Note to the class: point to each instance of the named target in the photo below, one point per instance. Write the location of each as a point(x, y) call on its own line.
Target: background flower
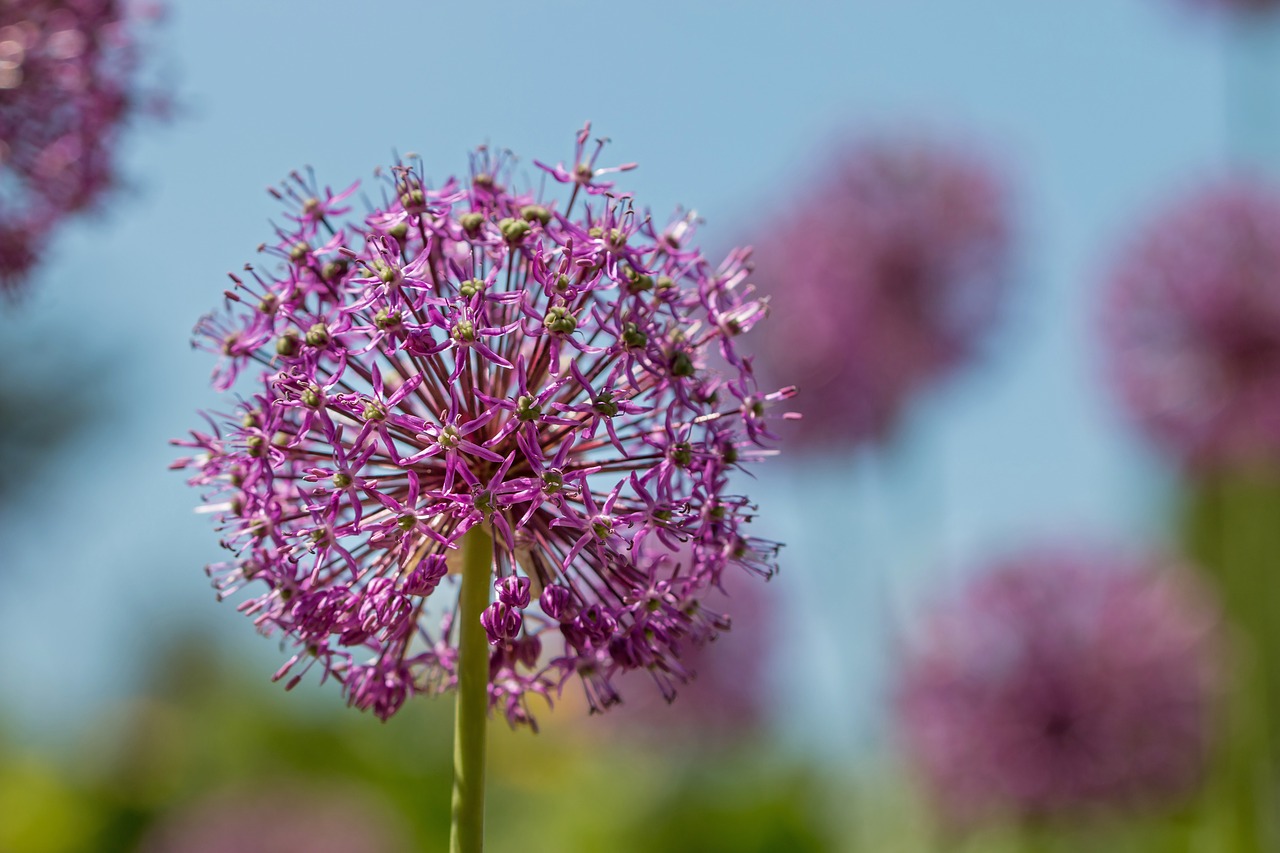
point(1061, 680)
point(68, 86)
point(1191, 321)
point(882, 280)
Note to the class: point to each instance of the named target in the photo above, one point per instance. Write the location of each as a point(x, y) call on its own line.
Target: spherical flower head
point(471, 354)
point(285, 817)
point(68, 85)
point(1191, 323)
point(1061, 681)
point(883, 281)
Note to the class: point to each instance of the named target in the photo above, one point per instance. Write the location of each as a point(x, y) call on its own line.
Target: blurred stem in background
point(1232, 529)
point(1252, 97)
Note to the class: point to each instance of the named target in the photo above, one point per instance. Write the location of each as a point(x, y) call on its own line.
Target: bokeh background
point(128, 697)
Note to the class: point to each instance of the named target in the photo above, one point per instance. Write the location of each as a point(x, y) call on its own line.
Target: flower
point(1061, 680)
point(68, 84)
point(728, 699)
point(281, 817)
point(883, 282)
point(470, 354)
point(1191, 324)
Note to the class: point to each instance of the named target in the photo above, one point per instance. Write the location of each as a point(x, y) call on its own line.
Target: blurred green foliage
point(203, 729)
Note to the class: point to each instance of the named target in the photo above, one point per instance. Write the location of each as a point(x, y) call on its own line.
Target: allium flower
point(1062, 680)
point(1192, 325)
point(282, 818)
point(67, 86)
point(882, 283)
point(475, 354)
point(730, 695)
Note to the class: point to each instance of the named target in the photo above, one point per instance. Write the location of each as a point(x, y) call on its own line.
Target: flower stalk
point(467, 833)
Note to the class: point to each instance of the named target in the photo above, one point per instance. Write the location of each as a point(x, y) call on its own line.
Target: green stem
point(467, 834)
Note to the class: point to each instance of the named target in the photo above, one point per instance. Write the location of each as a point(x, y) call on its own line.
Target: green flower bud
point(632, 337)
point(318, 335)
point(604, 404)
point(449, 437)
point(385, 319)
point(513, 230)
point(287, 344)
point(535, 213)
point(463, 331)
point(559, 321)
point(527, 408)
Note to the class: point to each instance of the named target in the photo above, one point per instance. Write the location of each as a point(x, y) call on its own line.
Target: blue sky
point(1099, 110)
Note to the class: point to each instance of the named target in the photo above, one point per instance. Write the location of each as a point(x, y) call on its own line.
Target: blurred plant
point(1061, 682)
point(1192, 326)
point(473, 370)
point(883, 282)
point(283, 817)
point(69, 84)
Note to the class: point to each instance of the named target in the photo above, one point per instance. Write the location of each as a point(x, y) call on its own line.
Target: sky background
point(1097, 110)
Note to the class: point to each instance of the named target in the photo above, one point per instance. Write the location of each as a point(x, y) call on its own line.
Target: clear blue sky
point(1099, 108)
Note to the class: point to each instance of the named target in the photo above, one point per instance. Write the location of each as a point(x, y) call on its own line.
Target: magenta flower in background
point(882, 281)
point(474, 353)
point(68, 86)
point(283, 818)
point(1191, 322)
point(1061, 680)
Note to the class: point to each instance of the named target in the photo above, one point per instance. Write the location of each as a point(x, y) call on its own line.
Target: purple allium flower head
point(1191, 320)
point(883, 283)
point(68, 84)
point(1062, 680)
point(470, 353)
point(283, 817)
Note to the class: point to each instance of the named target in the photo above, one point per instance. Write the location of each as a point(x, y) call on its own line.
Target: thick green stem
point(467, 835)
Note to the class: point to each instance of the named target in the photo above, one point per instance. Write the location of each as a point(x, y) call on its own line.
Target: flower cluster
point(67, 86)
point(563, 372)
point(1191, 321)
point(283, 817)
point(728, 699)
point(1062, 680)
point(884, 283)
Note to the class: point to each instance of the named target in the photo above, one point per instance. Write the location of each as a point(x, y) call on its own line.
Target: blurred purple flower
point(1062, 680)
point(283, 818)
point(466, 355)
point(1191, 320)
point(68, 85)
point(883, 281)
